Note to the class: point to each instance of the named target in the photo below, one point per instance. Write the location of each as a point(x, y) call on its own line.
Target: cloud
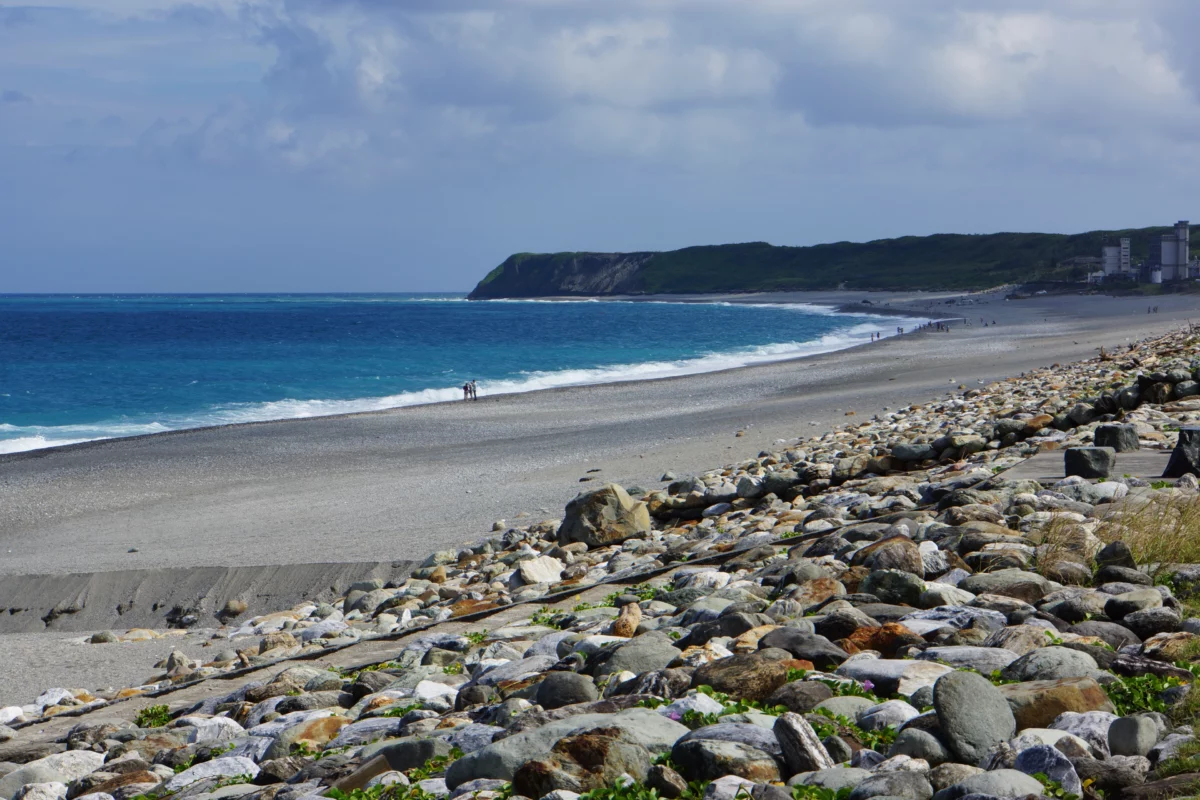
point(13, 96)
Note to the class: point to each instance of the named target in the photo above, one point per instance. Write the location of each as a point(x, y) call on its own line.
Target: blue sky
point(391, 145)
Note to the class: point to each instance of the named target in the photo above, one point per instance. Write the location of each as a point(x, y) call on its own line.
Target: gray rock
point(1121, 438)
point(849, 706)
point(982, 659)
point(603, 517)
point(889, 714)
point(1116, 554)
point(998, 783)
point(1050, 663)
point(560, 689)
point(823, 653)
point(754, 736)
point(226, 767)
point(836, 778)
point(1053, 764)
point(515, 670)
point(893, 586)
point(710, 759)
point(917, 743)
point(56, 768)
point(910, 785)
point(893, 676)
point(1132, 736)
point(645, 653)
point(500, 759)
point(1027, 586)
point(1089, 462)
point(1091, 726)
point(1118, 606)
point(1150, 621)
point(802, 750)
point(973, 715)
point(1185, 458)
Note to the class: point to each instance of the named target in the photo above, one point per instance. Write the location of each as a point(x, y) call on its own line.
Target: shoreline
point(392, 486)
point(396, 484)
point(848, 309)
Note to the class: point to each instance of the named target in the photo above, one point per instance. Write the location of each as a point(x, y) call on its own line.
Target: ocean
point(75, 368)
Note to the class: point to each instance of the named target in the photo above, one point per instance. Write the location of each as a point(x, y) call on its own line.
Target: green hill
point(941, 261)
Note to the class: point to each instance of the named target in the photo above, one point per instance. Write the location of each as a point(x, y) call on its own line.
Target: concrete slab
point(1048, 467)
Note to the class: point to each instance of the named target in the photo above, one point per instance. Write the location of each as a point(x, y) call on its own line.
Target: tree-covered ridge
point(941, 261)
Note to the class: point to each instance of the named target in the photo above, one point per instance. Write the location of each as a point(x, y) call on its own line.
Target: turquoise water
point(74, 368)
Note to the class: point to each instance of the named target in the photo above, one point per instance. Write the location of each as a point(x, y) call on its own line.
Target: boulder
point(710, 759)
point(1036, 704)
point(997, 783)
point(908, 785)
point(802, 750)
point(561, 688)
point(603, 517)
point(973, 715)
point(893, 676)
point(56, 768)
point(1050, 663)
point(1049, 761)
point(1121, 438)
point(1185, 458)
point(500, 759)
point(1132, 736)
point(1089, 462)
point(752, 676)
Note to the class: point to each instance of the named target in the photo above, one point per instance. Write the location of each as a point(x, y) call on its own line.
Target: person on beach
point(467, 391)
point(474, 389)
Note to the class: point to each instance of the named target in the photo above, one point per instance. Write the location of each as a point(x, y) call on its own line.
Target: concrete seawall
point(159, 598)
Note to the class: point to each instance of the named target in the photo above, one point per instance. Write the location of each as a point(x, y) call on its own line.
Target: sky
point(412, 145)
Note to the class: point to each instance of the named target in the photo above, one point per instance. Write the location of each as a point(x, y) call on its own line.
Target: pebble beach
point(865, 599)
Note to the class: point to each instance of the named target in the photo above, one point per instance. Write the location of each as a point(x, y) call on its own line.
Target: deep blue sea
point(80, 367)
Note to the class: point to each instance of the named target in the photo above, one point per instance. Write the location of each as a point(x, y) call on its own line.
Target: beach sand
point(396, 485)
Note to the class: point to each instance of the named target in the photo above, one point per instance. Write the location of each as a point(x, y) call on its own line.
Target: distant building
point(1174, 252)
point(1114, 258)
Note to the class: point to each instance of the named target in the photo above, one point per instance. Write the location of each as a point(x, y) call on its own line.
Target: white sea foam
point(36, 437)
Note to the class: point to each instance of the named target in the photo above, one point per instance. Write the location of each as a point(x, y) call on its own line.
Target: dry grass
point(1061, 540)
point(1161, 531)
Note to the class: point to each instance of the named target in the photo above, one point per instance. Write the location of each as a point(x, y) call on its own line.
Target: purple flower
point(868, 685)
point(675, 715)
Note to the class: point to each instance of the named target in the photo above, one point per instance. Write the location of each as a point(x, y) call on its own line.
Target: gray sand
point(396, 485)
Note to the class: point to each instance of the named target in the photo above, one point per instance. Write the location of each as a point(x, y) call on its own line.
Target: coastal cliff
point(941, 261)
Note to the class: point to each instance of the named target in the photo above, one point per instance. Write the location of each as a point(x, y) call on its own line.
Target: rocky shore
point(873, 612)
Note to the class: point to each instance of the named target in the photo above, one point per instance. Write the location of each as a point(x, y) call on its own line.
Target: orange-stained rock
point(1035, 704)
point(469, 606)
point(748, 641)
point(627, 621)
point(815, 591)
point(887, 638)
point(111, 785)
point(438, 575)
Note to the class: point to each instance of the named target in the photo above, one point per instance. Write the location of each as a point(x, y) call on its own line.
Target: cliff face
point(550, 274)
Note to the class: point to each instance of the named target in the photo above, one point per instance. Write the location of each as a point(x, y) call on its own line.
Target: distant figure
point(474, 384)
point(467, 391)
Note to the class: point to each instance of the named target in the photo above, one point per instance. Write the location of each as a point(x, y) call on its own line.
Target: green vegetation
point(1052, 787)
point(153, 717)
point(630, 790)
point(394, 791)
point(401, 711)
point(453, 669)
point(476, 637)
point(839, 725)
point(941, 261)
point(820, 793)
point(1142, 693)
point(547, 617)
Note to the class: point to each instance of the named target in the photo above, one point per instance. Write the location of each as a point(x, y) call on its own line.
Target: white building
point(1114, 258)
point(1175, 252)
